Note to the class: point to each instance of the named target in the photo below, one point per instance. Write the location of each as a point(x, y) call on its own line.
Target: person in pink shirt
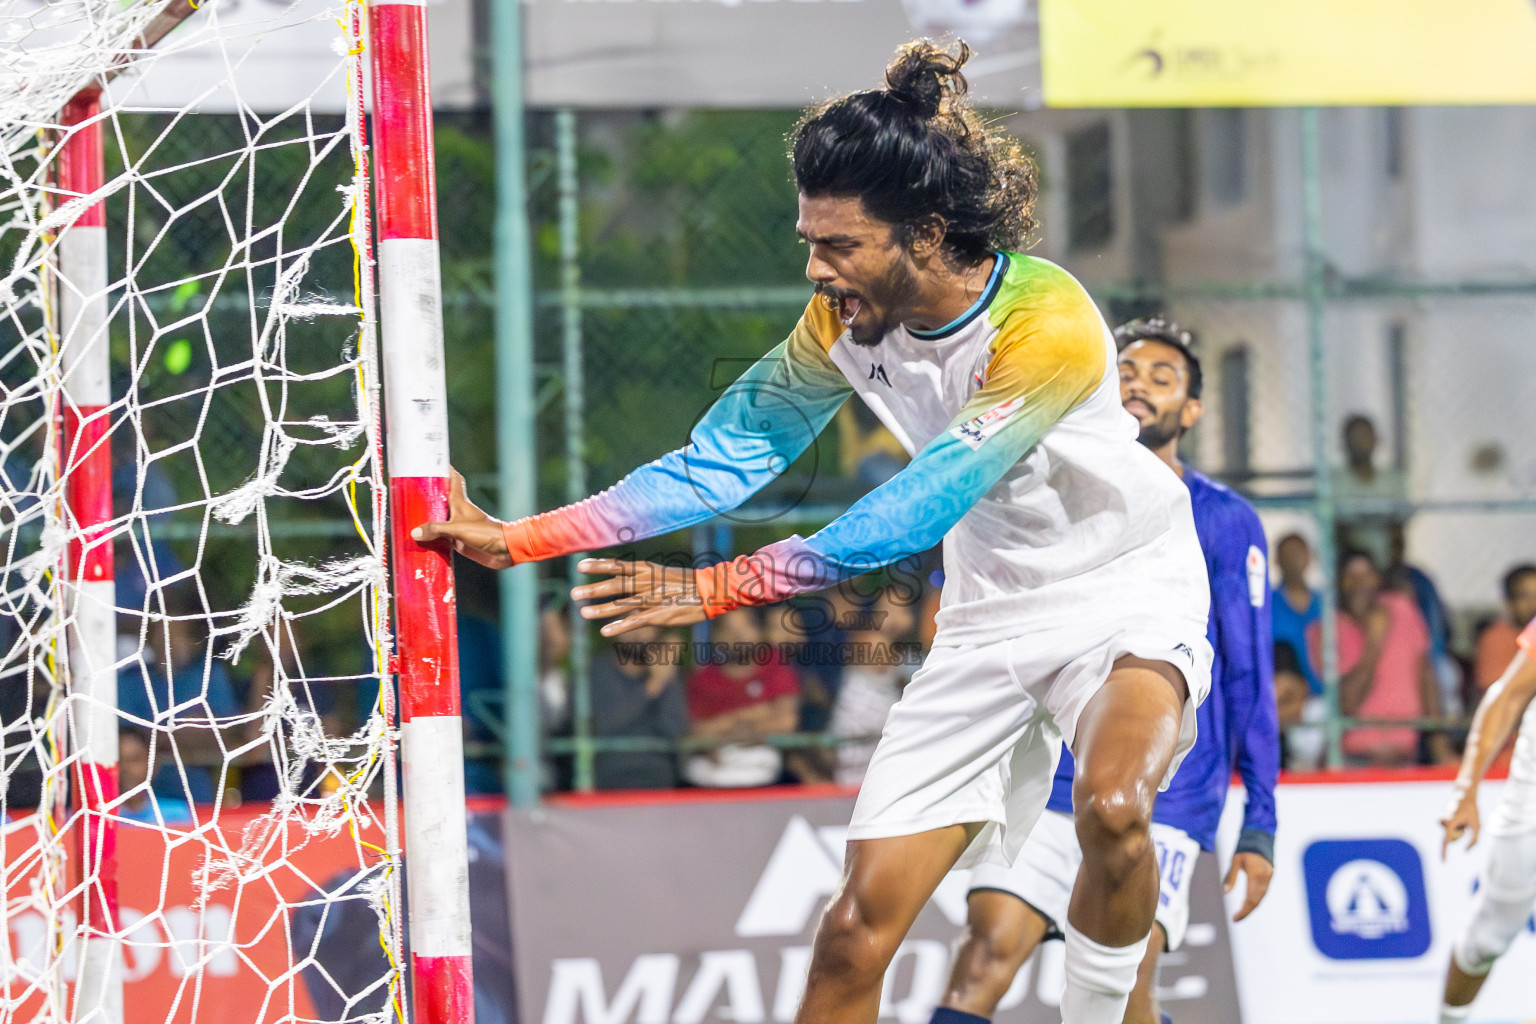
point(1385, 667)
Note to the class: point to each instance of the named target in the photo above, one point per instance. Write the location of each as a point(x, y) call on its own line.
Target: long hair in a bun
point(915, 149)
point(927, 77)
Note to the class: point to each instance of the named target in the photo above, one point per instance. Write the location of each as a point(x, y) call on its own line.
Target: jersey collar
point(995, 282)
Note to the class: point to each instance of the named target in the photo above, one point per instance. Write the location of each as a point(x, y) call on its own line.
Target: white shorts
point(978, 731)
point(1515, 813)
point(1502, 905)
point(1045, 870)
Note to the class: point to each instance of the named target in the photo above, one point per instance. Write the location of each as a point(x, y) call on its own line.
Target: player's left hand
point(1259, 872)
point(1460, 819)
point(639, 594)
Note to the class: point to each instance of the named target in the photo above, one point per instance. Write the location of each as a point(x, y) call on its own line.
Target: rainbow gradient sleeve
point(1049, 355)
point(751, 434)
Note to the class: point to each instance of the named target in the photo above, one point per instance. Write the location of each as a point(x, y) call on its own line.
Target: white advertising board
point(1359, 921)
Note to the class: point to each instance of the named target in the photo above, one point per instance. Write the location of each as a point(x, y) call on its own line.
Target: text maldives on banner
point(680, 912)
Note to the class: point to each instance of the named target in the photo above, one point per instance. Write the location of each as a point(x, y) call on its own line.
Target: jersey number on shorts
point(1170, 870)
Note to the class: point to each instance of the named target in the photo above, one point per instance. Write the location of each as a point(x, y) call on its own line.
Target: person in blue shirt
point(1012, 910)
point(178, 689)
point(1294, 605)
point(141, 804)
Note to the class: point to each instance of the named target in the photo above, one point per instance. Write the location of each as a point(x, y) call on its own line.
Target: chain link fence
point(665, 258)
point(667, 254)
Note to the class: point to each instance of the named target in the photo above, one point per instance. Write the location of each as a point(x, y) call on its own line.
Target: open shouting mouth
point(847, 308)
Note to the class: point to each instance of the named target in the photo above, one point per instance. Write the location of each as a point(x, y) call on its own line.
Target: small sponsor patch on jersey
point(975, 431)
point(1258, 576)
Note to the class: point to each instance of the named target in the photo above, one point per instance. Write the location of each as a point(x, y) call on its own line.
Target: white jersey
point(1088, 522)
point(1516, 811)
point(1024, 465)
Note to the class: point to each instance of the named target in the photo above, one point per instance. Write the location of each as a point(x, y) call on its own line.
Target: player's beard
point(893, 291)
point(1161, 430)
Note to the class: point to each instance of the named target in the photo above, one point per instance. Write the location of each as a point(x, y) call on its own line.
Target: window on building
point(1224, 155)
point(1393, 141)
point(1236, 412)
point(1183, 165)
point(1397, 383)
point(1090, 194)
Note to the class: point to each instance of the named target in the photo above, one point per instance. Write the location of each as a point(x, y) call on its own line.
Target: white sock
point(1455, 1014)
point(1099, 979)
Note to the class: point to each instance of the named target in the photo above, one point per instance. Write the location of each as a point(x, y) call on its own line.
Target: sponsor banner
point(1362, 912)
point(1166, 53)
point(674, 910)
point(231, 949)
point(629, 54)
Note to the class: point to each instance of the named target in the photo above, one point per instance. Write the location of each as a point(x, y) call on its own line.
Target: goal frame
point(425, 659)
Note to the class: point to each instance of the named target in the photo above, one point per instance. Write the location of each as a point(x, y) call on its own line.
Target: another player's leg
point(1001, 931)
point(1125, 740)
point(1500, 909)
point(1142, 1007)
point(886, 882)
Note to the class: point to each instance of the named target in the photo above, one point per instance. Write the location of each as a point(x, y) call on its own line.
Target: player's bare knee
point(849, 946)
point(1115, 828)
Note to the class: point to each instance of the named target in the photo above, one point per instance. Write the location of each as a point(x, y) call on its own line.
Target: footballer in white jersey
point(1075, 600)
point(1504, 901)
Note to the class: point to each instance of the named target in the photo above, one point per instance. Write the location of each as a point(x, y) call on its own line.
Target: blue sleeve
point(220, 692)
point(1040, 370)
point(1240, 597)
point(751, 434)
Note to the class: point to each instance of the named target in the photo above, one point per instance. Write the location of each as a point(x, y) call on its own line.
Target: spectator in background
point(1372, 499)
point(142, 804)
point(782, 631)
point(1415, 584)
point(1386, 670)
point(178, 687)
point(554, 667)
point(1302, 741)
point(636, 692)
point(822, 622)
point(1496, 646)
point(1294, 607)
point(143, 556)
point(260, 778)
point(872, 683)
point(737, 702)
point(22, 700)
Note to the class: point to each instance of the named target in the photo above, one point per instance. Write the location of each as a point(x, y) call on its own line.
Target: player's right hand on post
point(1461, 818)
point(474, 533)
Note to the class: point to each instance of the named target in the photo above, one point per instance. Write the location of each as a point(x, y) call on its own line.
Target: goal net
point(197, 785)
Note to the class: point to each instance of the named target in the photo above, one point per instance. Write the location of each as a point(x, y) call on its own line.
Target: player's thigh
point(887, 881)
point(1129, 730)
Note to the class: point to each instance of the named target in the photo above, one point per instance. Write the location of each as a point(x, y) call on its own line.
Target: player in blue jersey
point(1012, 910)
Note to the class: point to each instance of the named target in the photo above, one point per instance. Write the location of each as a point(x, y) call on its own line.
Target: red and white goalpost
point(86, 465)
point(416, 405)
point(226, 915)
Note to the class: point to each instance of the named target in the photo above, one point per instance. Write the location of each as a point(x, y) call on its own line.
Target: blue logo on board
point(1367, 899)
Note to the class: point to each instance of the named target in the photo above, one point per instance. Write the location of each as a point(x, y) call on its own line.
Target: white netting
point(257, 853)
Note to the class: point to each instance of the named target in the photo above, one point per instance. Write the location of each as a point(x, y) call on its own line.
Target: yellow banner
point(1171, 53)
